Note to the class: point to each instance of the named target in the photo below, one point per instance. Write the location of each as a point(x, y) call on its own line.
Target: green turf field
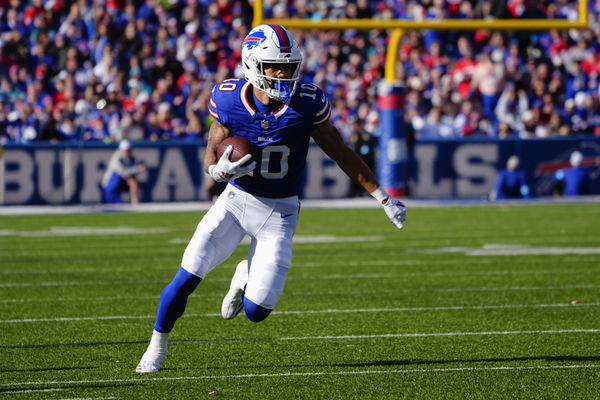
point(490, 302)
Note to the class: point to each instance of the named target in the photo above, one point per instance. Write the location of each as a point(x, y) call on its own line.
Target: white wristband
point(380, 195)
point(210, 169)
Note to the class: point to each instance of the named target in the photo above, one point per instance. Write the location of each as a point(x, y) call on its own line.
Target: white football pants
point(270, 223)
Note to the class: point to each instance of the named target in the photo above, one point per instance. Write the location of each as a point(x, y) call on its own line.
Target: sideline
point(200, 206)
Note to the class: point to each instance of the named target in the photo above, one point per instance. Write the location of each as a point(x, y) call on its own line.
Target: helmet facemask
point(279, 89)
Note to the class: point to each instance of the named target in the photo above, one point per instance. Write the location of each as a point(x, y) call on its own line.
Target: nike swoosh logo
point(285, 215)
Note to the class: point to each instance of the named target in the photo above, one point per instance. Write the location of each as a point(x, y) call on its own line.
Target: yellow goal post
point(393, 157)
point(401, 26)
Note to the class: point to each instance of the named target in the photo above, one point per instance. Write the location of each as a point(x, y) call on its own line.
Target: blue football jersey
point(282, 136)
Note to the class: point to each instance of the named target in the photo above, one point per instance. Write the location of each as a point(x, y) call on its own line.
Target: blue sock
point(174, 299)
point(254, 312)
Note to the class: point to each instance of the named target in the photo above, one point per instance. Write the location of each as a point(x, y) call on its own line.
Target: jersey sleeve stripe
point(212, 108)
point(323, 119)
point(323, 110)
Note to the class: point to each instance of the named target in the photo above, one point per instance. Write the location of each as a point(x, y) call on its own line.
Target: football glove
point(225, 170)
point(396, 211)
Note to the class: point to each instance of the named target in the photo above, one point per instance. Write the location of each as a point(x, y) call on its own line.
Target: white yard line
point(305, 277)
point(432, 290)
point(81, 283)
point(80, 299)
point(332, 337)
point(33, 391)
point(319, 277)
point(91, 398)
point(440, 273)
point(232, 265)
point(298, 264)
point(312, 239)
point(438, 308)
point(315, 293)
point(83, 231)
point(306, 312)
point(438, 334)
point(512, 288)
point(292, 374)
point(511, 250)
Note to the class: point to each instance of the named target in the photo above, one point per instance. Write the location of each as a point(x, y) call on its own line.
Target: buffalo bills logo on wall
point(254, 39)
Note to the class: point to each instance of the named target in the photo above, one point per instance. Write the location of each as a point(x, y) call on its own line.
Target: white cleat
point(150, 364)
point(233, 301)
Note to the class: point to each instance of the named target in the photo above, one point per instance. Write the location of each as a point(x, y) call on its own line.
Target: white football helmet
point(271, 44)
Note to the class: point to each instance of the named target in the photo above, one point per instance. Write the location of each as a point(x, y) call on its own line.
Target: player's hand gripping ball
point(236, 158)
point(241, 147)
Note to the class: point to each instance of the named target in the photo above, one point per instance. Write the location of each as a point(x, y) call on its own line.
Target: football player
point(279, 115)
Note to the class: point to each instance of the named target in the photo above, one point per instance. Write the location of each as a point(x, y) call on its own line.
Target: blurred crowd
point(108, 70)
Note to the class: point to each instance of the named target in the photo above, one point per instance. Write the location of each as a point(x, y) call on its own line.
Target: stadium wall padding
point(70, 173)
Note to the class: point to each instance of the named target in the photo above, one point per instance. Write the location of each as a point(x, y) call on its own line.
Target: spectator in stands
point(122, 174)
point(488, 80)
point(510, 183)
point(435, 126)
point(573, 181)
point(511, 106)
point(466, 120)
point(134, 45)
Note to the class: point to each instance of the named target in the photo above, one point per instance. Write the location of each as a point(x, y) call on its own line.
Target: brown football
point(241, 147)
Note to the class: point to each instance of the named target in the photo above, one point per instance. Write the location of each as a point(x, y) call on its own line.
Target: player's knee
point(254, 312)
point(185, 282)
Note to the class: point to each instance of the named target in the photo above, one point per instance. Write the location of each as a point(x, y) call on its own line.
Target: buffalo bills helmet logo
point(254, 39)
